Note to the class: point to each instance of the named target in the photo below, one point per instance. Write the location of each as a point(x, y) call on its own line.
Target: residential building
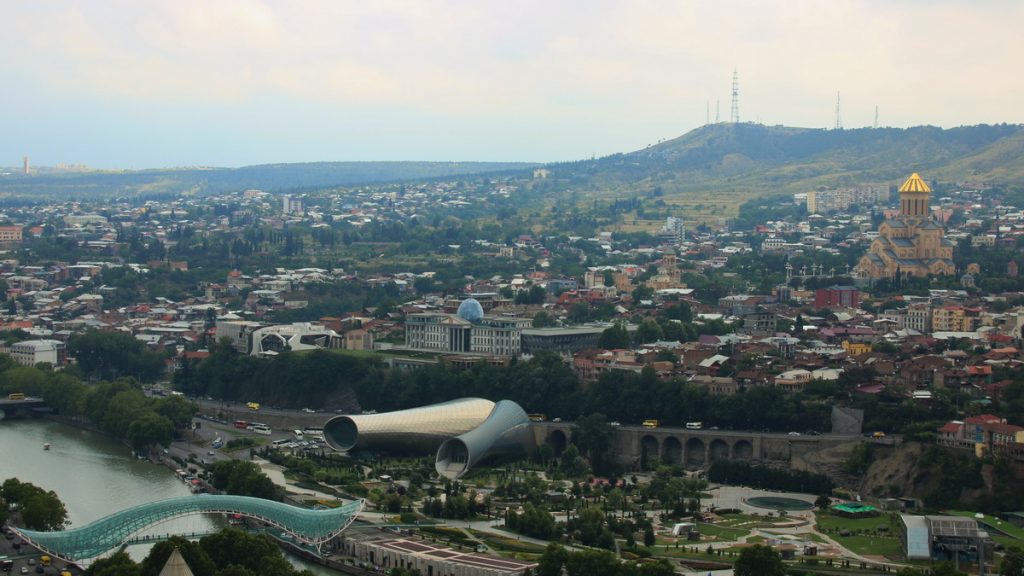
point(867, 195)
point(10, 233)
point(33, 352)
point(837, 297)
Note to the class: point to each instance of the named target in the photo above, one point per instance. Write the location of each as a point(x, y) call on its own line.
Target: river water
point(95, 475)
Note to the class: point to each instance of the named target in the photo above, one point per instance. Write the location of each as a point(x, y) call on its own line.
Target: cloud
point(583, 66)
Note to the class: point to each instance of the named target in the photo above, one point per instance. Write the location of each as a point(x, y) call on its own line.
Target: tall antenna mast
point(718, 107)
point(707, 117)
point(839, 114)
point(876, 115)
point(735, 114)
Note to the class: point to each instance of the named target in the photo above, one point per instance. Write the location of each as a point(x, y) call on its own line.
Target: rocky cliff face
point(942, 477)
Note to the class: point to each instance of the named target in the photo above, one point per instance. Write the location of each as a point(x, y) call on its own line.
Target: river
point(95, 475)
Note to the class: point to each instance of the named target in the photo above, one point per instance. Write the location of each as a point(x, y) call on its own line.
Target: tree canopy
point(39, 509)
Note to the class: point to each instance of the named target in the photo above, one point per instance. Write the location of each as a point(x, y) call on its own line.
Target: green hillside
point(706, 173)
point(270, 177)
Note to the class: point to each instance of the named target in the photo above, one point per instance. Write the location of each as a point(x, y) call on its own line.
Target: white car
point(614, 424)
point(309, 411)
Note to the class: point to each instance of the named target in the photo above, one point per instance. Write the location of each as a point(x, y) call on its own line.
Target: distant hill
point(270, 177)
point(709, 171)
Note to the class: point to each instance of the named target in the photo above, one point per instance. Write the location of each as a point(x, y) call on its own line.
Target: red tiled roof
point(1000, 428)
point(950, 428)
point(983, 419)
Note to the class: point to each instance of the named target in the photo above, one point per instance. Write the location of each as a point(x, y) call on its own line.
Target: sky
point(151, 83)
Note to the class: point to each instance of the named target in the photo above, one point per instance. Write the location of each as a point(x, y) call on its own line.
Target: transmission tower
point(876, 115)
point(718, 108)
point(735, 114)
point(839, 113)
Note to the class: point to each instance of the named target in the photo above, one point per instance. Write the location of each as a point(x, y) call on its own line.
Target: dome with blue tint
point(470, 310)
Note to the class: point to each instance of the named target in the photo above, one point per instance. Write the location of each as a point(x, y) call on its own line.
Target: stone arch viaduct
point(697, 448)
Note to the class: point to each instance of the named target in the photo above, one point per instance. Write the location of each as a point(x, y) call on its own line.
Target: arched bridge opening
point(84, 544)
point(718, 450)
point(695, 455)
point(558, 440)
point(672, 451)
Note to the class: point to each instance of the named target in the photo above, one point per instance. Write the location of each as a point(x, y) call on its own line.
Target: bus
point(650, 424)
point(261, 429)
point(241, 424)
point(16, 396)
point(537, 418)
point(298, 434)
point(254, 406)
point(694, 425)
point(280, 442)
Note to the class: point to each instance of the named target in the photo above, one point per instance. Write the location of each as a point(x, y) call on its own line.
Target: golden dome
point(915, 184)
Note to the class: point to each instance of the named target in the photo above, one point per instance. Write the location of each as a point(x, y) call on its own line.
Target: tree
point(649, 539)
point(543, 320)
point(593, 435)
point(44, 511)
point(1013, 562)
point(148, 430)
point(110, 355)
point(243, 478)
point(614, 337)
point(648, 331)
point(119, 564)
point(257, 552)
point(823, 502)
point(642, 293)
point(179, 410)
point(196, 558)
point(40, 509)
point(552, 560)
point(759, 560)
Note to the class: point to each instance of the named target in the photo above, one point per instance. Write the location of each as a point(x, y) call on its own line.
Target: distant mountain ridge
point(708, 171)
point(270, 177)
point(752, 159)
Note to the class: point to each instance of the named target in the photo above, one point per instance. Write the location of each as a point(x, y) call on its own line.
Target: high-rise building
point(823, 201)
point(24, 165)
point(290, 205)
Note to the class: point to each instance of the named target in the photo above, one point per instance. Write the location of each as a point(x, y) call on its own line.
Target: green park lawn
point(865, 537)
point(719, 532)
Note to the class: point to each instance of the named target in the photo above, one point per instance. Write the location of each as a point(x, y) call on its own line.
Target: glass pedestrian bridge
point(86, 543)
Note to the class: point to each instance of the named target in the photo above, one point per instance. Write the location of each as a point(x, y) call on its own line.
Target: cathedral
point(912, 243)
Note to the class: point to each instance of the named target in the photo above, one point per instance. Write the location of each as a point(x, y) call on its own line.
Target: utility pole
point(839, 114)
point(735, 113)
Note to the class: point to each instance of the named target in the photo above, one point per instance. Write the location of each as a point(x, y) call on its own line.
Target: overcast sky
point(139, 84)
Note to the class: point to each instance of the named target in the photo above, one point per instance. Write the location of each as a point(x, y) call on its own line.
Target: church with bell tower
point(912, 243)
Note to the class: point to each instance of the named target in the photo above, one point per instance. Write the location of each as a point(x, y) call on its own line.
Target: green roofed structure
point(854, 510)
point(86, 543)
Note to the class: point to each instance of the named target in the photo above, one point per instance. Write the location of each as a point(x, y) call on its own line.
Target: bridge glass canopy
point(313, 527)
